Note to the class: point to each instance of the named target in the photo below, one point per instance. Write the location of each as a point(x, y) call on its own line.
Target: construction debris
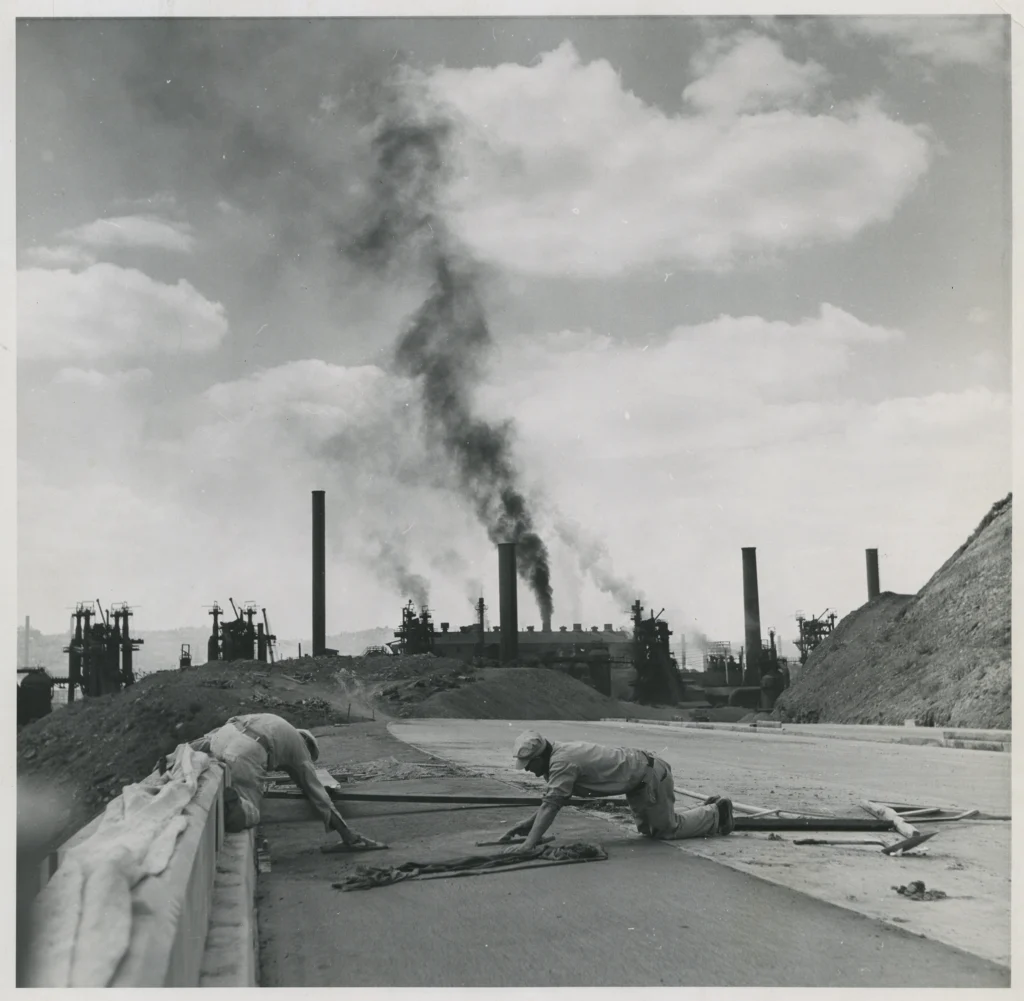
point(916, 891)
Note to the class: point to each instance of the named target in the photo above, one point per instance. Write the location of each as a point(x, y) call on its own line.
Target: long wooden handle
point(887, 813)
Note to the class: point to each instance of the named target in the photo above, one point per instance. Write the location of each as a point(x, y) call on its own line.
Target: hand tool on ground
point(517, 840)
point(909, 843)
point(887, 813)
point(755, 810)
point(966, 815)
point(877, 842)
point(340, 848)
point(900, 847)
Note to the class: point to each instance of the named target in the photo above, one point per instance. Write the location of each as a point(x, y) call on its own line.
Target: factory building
point(535, 644)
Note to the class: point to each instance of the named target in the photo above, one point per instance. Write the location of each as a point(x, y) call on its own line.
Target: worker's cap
point(528, 745)
point(311, 744)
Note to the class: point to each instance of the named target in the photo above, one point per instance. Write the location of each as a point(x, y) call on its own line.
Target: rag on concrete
point(368, 877)
point(83, 916)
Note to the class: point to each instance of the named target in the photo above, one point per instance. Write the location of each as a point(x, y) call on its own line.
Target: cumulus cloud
point(559, 169)
point(108, 310)
point(943, 41)
point(133, 231)
point(750, 74)
point(738, 433)
point(639, 399)
point(92, 379)
point(61, 256)
point(743, 431)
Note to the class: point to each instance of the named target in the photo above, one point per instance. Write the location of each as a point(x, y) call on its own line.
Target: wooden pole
point(887, 813)
point(756, 810)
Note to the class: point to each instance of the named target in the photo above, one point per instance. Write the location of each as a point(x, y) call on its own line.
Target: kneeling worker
point(578, 768)
point(253, 745)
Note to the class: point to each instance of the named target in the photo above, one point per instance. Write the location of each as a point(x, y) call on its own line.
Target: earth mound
point(941, 656)
point(89, 749)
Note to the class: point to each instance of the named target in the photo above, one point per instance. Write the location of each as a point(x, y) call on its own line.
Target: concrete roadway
point(766, 767)
point(649, 916)
point(969, 861)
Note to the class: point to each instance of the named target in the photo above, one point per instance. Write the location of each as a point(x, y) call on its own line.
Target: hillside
point(941, 656)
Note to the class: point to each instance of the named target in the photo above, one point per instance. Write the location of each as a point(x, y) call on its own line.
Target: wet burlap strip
point(368, 877)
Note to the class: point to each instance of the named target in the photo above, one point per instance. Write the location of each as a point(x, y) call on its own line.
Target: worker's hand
point(351, 837)
point(516, 849)
point(520, 830)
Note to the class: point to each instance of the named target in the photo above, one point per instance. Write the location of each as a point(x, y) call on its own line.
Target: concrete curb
point(195, 924)
point(170, 912)
point(230, 958)
point(967, 740)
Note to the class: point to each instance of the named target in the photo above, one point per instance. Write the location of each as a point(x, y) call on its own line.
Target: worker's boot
point(726, 824)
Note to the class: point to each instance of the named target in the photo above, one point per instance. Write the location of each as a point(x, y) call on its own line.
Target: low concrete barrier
point(965, 740)
point(193, 924)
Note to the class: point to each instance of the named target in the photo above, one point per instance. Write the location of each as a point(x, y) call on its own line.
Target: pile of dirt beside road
point(93, 747)
point(941, 656)
point(518, 693)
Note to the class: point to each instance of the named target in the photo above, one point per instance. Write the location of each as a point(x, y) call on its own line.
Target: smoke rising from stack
point(393, 567)
point(447, 341)
point(593, 561)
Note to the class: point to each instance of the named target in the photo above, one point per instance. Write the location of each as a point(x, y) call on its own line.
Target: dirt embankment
point(90, 749)
point(941, 656)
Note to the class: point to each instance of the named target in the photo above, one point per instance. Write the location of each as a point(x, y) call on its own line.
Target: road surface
point(649, 916)
point(970, 862)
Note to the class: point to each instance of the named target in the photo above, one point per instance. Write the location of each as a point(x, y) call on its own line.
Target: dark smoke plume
point(448, 339)
point(593, 560)
point(393, 567)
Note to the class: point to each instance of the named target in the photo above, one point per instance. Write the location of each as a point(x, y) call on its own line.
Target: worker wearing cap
point(258, 743)
point(579, 768)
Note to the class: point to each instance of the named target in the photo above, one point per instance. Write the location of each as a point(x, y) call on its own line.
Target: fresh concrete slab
point(649, 916)
point(970, 861)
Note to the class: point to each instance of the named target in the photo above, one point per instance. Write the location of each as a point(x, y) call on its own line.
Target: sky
point(743, 282)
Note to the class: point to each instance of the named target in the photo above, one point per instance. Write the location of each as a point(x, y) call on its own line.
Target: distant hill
point(942, 655)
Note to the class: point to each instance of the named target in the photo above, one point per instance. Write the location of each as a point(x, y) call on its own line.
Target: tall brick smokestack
point(751, 618)
point(319, 576)
point(508, 602)
point(872, 561)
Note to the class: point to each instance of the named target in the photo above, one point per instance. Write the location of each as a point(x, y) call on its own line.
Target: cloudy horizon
point(746, 283)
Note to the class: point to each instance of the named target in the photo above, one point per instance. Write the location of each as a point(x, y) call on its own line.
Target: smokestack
point(26, 664)
point(545, 623)
point(319, 577)
point(507, 602)
point(751, 617)
point(872, 560)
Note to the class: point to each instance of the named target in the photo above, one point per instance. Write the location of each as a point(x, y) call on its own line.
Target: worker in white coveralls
point(578, 768)
point(253, 745)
